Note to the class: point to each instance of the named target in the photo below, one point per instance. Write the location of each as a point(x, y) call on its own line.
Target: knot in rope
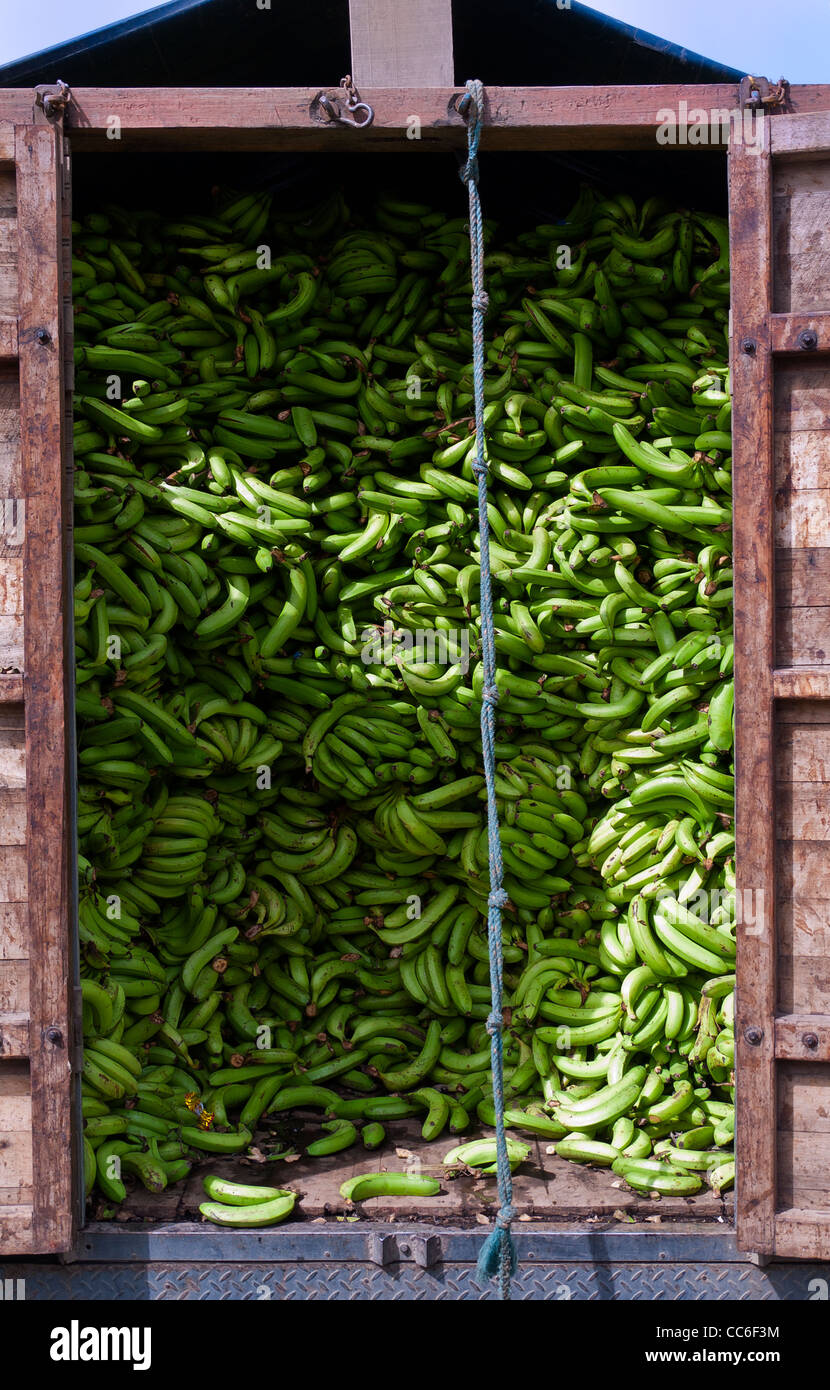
point(499, 898)
point(490, 696)
point(481, 301)
point(504, 1218)
point(494, 1023)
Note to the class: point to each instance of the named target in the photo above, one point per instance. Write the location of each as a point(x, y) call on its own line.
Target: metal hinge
point(759, 93)
point(387, 1248)
point(53, 98)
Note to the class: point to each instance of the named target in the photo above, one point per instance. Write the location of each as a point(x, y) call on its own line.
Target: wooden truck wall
point(35, 934)
point(779, 211)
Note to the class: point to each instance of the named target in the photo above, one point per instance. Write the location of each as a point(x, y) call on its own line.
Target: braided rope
point(498, 1254)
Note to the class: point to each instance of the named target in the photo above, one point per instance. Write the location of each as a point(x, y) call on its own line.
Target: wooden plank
point(801, 205)
point(802, 812)
point(13, 817)
point(14, 880)
point(750, 217)
point(39, 156)
point(804, 1038)
point(6, 144)
point(803, 980)
point(396, 45)
point(805, 1232)
point(802, 635)
point(802, 578)
point(605, 117)
point(802, 683)
point(804, 1168)
point(11, 692)
point(8, 337)
point(14, 987)
point(17, 1229)
point(9, 433)
point(802, 754)
point(803, 133)
point(14, 931)
point(15, 1036)
point(786, 328)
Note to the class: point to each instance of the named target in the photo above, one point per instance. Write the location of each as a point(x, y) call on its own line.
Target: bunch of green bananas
point(282, 827)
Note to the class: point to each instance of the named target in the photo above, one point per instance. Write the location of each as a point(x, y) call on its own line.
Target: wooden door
point(779, 219)
point(36, 961)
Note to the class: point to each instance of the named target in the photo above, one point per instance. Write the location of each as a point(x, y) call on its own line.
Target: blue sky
point(789, 38)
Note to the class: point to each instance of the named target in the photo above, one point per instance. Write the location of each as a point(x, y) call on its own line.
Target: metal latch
point(358, 114)
point(387, 1248)
point(760, 94)
point(53, 99)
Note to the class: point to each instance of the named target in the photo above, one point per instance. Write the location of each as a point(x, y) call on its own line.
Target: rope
point(498, 1254)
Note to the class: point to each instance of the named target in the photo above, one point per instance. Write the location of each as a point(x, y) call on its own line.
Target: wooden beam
point(39, 159)
point(252, 118)
point(6, 142)
point(786, 331)
point(401, 45)
point(802, 1038)
point(801, 683)
point(750, 219)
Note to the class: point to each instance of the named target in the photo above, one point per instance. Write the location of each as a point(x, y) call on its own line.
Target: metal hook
point(360, 113)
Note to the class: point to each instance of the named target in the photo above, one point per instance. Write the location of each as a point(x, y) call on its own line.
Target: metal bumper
point(370, 1261)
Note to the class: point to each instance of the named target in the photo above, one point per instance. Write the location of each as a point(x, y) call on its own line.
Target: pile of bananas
point(281, 816)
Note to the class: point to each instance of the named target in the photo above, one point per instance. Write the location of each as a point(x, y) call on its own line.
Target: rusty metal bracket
point(760, 94)
point(53, 98)
point(357, 114)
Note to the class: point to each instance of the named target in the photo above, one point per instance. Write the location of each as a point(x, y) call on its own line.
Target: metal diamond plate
point(347, 1281)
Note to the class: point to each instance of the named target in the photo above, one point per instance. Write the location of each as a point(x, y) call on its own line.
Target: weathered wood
point(805, 1232)
point(804, 1170)
point(11, 693)
point(804, 1038)
point(750, 215)
point(14, 988)
point(801, 204)
point(15, 1041)
point(396, 45)
point(801, 683)
point(804, 133)
point(9, 433)
point(786, 329)
point(39, 155)
point(802, 578)
point(802, 636)
point(624, 117)
point(802, 754)
point(16, 1228)
point(8, 338)
point(802, 812)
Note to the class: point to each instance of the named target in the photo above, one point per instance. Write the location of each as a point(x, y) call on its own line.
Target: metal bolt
point(748, 345)
point(754, 1036)
point(54, 1036)
point(810, 1040)
point(43, 336)
point(808, 339)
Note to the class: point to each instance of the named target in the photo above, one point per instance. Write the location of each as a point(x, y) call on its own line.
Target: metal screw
point(54, 1036)
point(810, 1040)
point(43, 336)
point(404, 1249)
point(808, 339)
point(748, 345)
point(754, 1036)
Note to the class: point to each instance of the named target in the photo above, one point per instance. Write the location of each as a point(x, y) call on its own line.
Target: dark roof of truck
point(233, 43)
